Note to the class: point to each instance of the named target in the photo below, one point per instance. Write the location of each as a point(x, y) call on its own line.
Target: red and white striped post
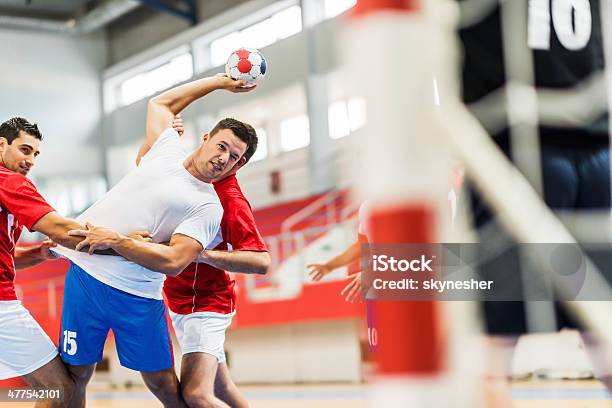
point(390, 51)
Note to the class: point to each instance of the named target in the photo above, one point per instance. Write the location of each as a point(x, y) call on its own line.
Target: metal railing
point(328, 202)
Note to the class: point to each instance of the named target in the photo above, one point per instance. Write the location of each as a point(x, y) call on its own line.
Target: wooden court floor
point(529, 394)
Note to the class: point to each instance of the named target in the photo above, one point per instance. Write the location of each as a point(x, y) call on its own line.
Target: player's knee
point(81, 374)
point(196, 397)
point(67, 387)
point(164, 386)
point(223, 389)
point(63, 382)
point(161, 387)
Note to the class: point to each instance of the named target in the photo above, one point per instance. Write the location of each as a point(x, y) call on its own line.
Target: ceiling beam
point(185, 9)
point(95, 19)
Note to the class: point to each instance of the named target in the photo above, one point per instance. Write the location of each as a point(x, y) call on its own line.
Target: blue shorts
point(92, 308)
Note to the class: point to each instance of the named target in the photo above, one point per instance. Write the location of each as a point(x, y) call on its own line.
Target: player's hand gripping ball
point(246, 64)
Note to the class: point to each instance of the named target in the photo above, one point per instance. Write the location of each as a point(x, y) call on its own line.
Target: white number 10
point(571, 20)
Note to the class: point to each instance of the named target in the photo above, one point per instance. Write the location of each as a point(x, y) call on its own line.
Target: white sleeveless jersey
point(159, 196)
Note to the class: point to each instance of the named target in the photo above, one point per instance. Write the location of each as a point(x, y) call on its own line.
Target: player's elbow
point(170, 270)
point(174, 268)
point(159, 103)
point(263, 263)
point(171, 267)
point(154, 102)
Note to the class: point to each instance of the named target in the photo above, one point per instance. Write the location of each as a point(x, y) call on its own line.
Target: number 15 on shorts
point(70, 344)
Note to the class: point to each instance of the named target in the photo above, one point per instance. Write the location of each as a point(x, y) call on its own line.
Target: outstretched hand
point(233, 85)
point(318, 271)
point(95, 237)
point(353, 288)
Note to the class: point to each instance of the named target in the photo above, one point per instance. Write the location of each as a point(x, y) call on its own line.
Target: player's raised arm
point(162, 109)
point(177, 124)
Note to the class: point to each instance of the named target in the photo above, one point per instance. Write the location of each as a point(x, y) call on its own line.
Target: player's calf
point(226, 390)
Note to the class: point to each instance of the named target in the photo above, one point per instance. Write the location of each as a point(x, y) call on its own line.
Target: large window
point(279, 118)
point(262, 146)
point(266, 26)
point(295, 133)
point(148, 78)
point(145, 84)
point(280, 25)
point(337, 7)
point(70, 196)
point(346, 117)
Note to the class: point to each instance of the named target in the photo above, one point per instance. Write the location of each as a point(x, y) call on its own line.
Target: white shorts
point(202, 332)
point(24, 346)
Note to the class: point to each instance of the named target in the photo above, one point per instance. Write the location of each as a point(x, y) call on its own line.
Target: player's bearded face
point(20, 155)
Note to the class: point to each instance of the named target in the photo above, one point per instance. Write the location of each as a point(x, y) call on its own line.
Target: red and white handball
point(246, 64)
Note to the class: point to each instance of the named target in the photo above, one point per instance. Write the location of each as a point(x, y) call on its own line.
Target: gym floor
point(527, 394)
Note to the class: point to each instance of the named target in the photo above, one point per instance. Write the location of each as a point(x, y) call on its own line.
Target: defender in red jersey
point(25, 349)
point(202, 298)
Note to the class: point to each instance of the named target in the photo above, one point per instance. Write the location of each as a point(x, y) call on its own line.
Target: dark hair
point(11, 128)
point(243, 131)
